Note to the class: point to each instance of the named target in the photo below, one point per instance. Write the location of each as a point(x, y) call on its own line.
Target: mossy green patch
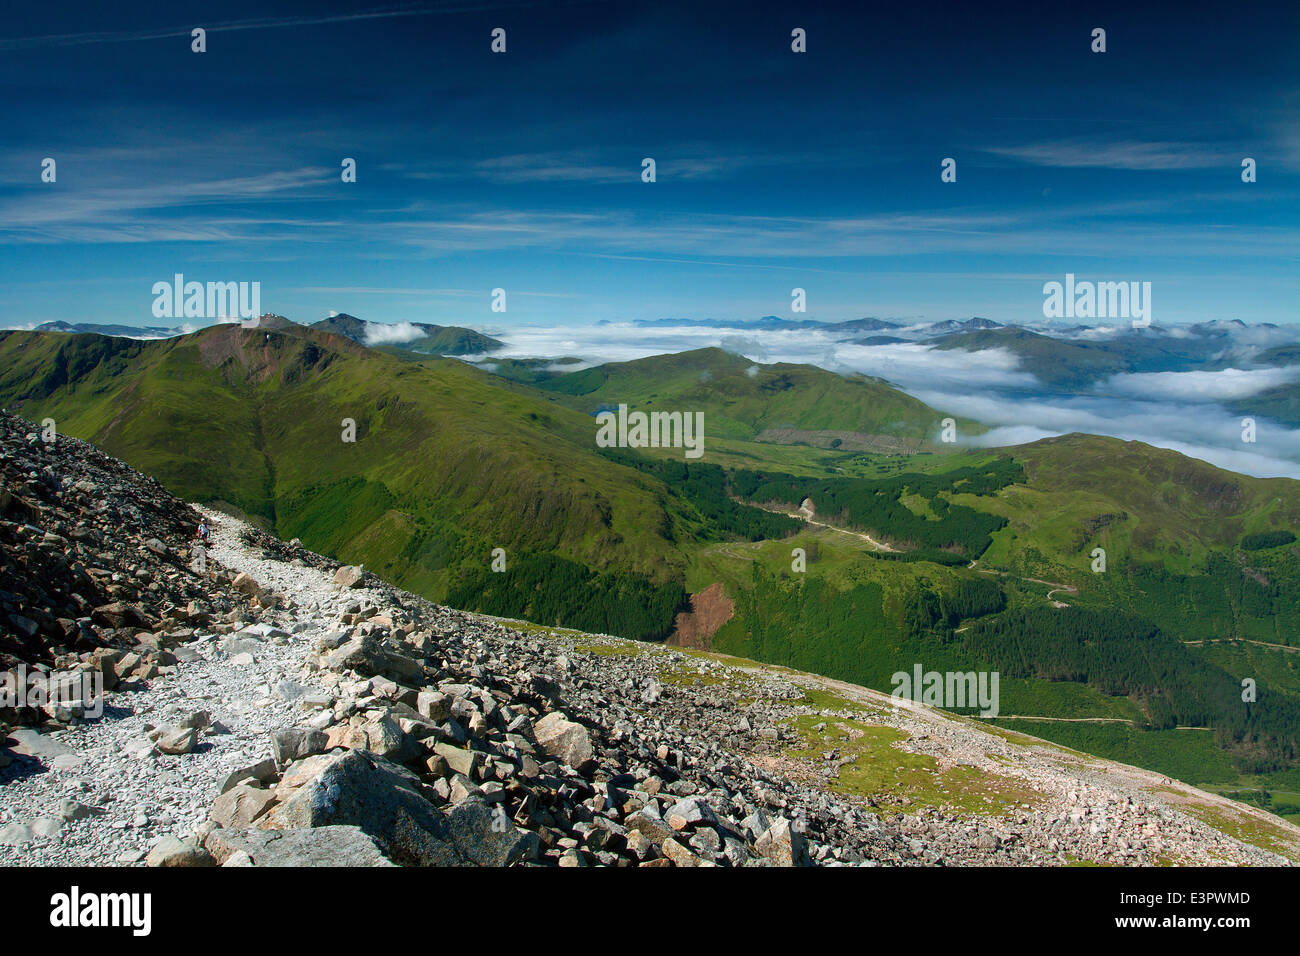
point(1248, 828)
point(871, 765)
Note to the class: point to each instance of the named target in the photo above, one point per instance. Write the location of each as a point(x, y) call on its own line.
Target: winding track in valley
point(807, 517)
point(1053, 585)
point(1243, 640)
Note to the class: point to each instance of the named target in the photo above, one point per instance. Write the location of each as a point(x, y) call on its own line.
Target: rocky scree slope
point(92, 553)
point(271, 707)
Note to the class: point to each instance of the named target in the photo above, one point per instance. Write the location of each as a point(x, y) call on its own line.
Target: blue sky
point(522, 170)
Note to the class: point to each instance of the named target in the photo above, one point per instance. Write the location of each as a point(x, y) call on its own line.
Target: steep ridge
point(326, 717)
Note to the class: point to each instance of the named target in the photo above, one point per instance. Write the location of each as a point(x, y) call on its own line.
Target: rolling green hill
point(743, 400)
point(1150, 504)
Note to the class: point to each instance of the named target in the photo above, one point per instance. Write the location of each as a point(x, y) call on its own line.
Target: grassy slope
point(1161, 518)
point(439, 447)
point(1142, 503)
point(740, 398)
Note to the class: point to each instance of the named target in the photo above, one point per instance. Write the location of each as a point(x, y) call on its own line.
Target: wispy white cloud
point(1126, 154)
point(800, 238)
point(608, 165)
point(131, 212)
point(1201, 430)
point(583, 167)
point(301, 209)
point(392, 11)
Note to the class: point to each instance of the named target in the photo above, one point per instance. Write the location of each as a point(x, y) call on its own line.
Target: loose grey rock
point(565, 739)
point(179, 740)
point(170, 851)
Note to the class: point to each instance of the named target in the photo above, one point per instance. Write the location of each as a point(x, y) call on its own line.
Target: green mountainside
point(446, 465)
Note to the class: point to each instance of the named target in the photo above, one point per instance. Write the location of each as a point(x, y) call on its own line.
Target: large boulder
point(678, 854)
point(242, 804)
point(649, 824)
point(295, 743)
point(783, 845)
point(485, 838)
point(170, 851)
point(263, 772)
point(349, 576)
point(690, 812)
point(361, 653)
point(366, 654)
point(120, 614)
point(178, 740)
point(459, 759)
point(358, 788)
point(401, 667)
point(433, 705)
point(385, 738)
point(245, 584)
point(565, 740)
point(322, 846)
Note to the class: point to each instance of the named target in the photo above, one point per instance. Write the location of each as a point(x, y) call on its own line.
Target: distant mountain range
point(411, 336)
point(1078, 360)
point(850, 325)
point(125, 331)
point(1065, 361)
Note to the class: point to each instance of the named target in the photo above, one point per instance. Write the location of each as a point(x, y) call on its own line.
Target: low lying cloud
point(1224, 385)
point(1176, 410)
point(912, 365)
point(394, 333)
point(1201, 430)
